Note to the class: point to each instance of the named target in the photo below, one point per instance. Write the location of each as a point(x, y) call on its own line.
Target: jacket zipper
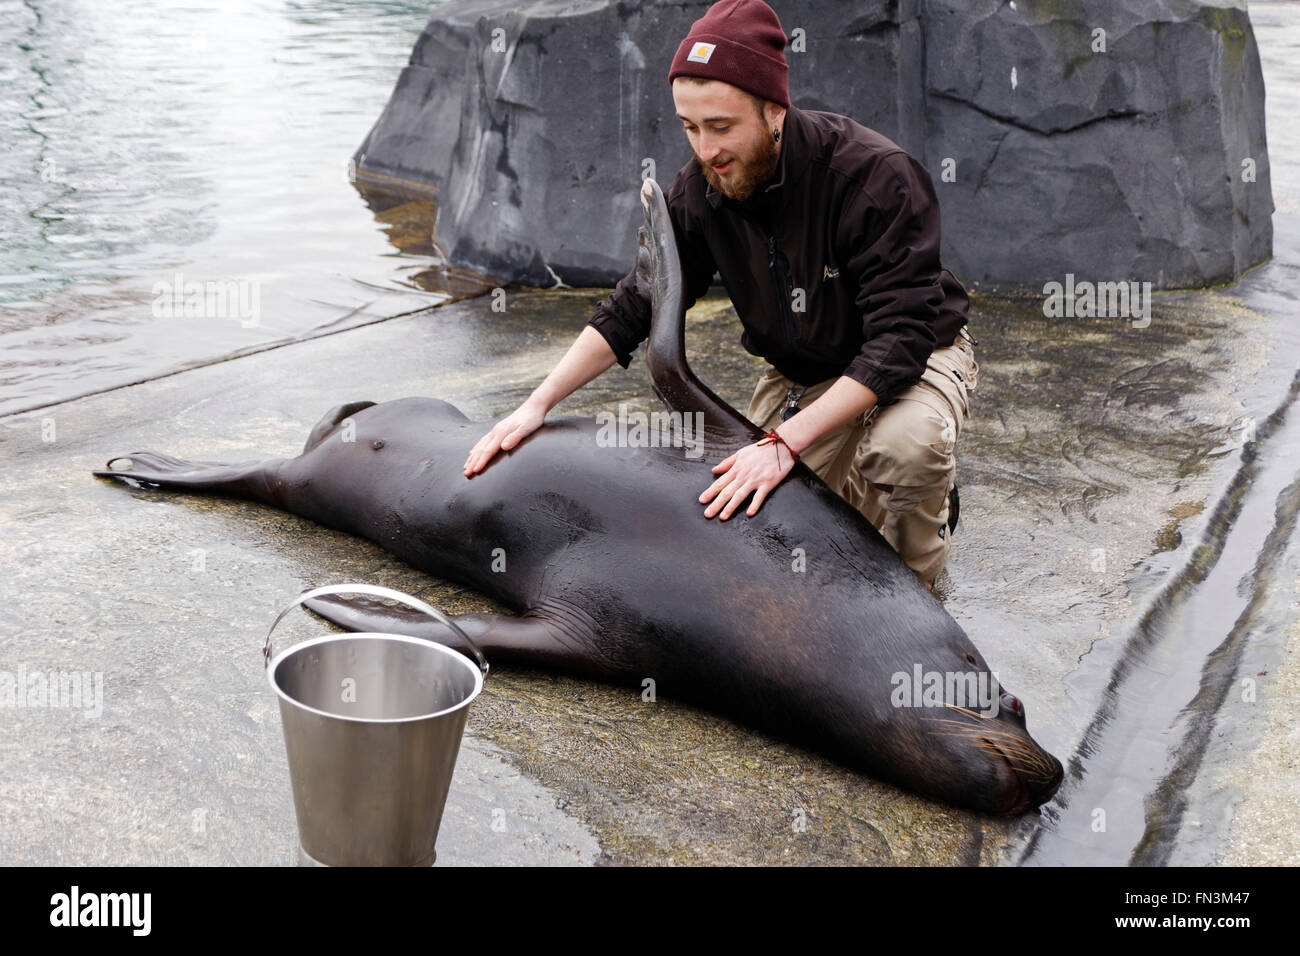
point(778, 272)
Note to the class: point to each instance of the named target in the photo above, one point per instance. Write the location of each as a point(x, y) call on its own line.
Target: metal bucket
point(372, 724)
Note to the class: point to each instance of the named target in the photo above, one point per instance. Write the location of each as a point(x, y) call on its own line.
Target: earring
point(776, 136)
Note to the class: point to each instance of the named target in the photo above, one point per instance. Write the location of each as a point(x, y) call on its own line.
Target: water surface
point(175, 189)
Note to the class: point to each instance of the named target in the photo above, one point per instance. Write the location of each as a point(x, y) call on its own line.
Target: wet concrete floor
point(1095, 458)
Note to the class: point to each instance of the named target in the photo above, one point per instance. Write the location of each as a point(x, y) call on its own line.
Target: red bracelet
point(772, 436)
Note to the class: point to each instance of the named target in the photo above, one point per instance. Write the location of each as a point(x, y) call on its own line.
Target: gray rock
point(1111, 165)
point(1050, 154)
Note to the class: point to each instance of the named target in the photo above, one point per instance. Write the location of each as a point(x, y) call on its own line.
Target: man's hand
point(505, 434)
point(755, 469)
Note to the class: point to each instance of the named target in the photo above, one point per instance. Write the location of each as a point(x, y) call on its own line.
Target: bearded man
point(826, 237)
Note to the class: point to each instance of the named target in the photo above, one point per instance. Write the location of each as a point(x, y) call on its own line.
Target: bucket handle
point(377, 591)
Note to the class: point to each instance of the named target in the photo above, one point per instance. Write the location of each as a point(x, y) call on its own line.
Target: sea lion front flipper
point(330, 421)
point(659, 271)
point(532, 639)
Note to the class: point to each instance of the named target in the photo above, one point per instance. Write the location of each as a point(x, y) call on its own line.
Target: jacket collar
point(790, 165)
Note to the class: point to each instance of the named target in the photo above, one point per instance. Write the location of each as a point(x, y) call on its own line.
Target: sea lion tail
point(248, 479)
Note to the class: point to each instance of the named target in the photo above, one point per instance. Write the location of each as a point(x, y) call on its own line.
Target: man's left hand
point(755, 469)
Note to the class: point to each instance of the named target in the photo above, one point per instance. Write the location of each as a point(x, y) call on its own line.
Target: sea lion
point(800, 620)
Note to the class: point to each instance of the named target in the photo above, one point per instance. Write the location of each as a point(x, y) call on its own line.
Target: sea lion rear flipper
point(659, 271)
point(532, 639)
point(246, 479)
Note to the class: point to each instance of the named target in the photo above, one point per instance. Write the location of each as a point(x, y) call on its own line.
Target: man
point(826, 236)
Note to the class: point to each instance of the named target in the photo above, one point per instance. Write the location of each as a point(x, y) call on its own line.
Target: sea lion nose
point(1010, 702)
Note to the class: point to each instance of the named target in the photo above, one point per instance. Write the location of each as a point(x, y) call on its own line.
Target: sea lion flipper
point(245, 479)
point(366, 614)
point(659, 271)
point(330, 420)
point(533, 638)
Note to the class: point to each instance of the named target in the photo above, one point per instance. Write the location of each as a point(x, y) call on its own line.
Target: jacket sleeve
point(623, 318)
point(893, 235)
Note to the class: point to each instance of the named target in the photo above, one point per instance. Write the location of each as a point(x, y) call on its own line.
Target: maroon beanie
point(739, 42)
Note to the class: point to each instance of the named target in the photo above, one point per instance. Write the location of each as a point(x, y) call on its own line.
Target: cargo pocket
point(948, 379)
point(911, 443)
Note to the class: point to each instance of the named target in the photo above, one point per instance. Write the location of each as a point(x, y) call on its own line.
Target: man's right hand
point(505, 434)
point(589, 355)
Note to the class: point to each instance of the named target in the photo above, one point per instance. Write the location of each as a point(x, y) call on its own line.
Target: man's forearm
point(589, 356)
point(837, 406)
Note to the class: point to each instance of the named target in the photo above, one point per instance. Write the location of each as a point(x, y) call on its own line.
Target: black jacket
point(848, 227)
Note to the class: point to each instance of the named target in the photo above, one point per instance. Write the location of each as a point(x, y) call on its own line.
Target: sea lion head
point(1016, 774)
point(955, 733)
point(990, 754)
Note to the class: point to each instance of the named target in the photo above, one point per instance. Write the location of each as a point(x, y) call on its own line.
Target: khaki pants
point(894, 464)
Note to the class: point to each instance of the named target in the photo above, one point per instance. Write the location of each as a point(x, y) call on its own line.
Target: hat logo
point(701, 52)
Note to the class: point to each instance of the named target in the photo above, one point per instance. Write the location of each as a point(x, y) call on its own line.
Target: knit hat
point(739, 42)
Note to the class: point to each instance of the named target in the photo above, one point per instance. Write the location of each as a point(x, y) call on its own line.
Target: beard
point(748, 172)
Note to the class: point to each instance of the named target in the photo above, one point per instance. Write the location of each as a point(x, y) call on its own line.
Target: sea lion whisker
point(975, 737)
point(953, 720)
point(1011, 736)
point(1015, 753)
point(961, 732)
point(963, 710)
